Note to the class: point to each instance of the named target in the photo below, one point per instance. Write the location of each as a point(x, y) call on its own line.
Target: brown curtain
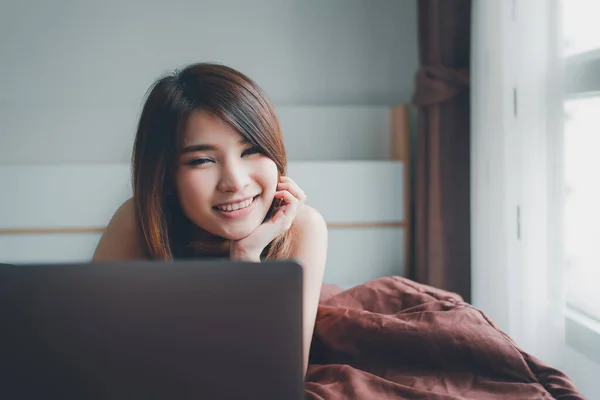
point(442, 186)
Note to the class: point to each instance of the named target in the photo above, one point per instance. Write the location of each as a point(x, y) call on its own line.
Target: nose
point(234, 177)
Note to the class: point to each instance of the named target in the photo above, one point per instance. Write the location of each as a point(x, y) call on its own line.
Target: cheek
point(269, 175)
point(192, 189)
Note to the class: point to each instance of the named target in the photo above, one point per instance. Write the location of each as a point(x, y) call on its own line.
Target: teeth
point(236, 206)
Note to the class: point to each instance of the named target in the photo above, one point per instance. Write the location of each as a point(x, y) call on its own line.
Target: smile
point(229, 207)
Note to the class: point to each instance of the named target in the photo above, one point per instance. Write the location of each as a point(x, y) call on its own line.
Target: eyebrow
point(207, 147)
point(198, 147)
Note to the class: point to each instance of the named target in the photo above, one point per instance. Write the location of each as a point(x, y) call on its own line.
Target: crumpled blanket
point(393, 338)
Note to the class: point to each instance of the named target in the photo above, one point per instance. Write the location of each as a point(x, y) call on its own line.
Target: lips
point(247, 207)
point(234, 206)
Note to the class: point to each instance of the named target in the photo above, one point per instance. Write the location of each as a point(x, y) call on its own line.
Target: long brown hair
point(228, 95)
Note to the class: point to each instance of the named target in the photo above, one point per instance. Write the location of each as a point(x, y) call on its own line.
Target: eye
point(251, 150)
point(199, 161)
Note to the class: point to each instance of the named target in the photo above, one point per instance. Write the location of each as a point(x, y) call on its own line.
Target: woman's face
point(225, 185)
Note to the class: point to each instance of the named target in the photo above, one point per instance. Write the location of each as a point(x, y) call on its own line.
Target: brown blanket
point(395, 339)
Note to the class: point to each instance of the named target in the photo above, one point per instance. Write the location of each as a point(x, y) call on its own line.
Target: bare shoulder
point(309, 220)
point(310, 242)
point(122, 239)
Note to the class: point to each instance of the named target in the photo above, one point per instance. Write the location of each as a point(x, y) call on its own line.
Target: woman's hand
point(250, 247)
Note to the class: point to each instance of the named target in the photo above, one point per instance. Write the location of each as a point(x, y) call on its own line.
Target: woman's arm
point(122, 239)
point(309, 248)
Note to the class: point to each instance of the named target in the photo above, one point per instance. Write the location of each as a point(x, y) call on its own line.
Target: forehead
point(203, 127)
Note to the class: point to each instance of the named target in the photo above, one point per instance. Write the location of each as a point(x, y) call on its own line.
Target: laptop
point(151, 330)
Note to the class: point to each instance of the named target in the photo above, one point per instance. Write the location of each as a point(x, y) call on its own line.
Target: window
point(582, 203)
point(582, 155)
point(580, 26)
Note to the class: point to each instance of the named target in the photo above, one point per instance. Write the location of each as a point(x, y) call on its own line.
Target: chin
point(237, 234)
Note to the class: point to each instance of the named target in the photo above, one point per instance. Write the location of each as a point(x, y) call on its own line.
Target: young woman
point(209, 180)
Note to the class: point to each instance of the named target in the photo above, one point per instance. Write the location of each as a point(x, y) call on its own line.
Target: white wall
point(74, 73)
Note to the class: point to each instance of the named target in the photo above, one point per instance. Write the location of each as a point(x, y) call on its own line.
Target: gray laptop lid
point(152, 330)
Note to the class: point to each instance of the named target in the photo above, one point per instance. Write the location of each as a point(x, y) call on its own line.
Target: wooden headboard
point(53, 212)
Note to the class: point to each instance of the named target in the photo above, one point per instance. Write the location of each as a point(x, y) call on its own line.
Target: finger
point(281, 221)
point(287, 179)
point(293, 188)
point(289, 209)
point(279, 216)
point(287, 197)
